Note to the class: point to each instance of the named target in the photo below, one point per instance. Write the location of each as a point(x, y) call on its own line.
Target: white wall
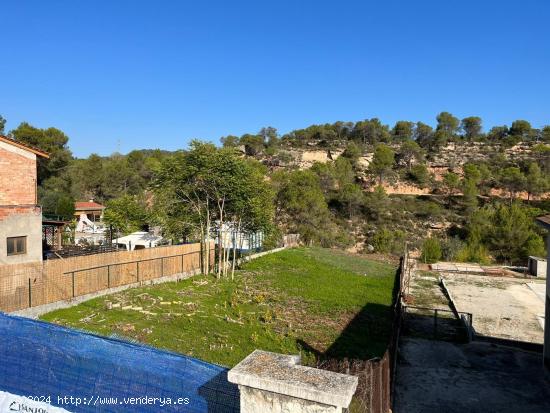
point(20, 225)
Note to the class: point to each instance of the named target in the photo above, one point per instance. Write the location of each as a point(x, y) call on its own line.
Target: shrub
point(474, 252)
point(420, 174)
point(427, 209)
point(431, 250)
point(382, 240)
point(535, 247)
point(273, 238)
point(399, 242)
point(451, 247)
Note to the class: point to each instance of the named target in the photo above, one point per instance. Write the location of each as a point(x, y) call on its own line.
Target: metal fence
point(437, 324)
point(69, 251)
point(374, 392)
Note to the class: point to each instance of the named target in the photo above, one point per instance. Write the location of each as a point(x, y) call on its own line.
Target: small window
point(17, 245)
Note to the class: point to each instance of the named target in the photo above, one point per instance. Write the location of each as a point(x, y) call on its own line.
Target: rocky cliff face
point(456, 154)
point(451, 156)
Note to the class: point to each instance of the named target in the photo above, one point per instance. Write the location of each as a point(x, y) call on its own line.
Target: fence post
point(435, 323)
point(162, 266)
point(30, 294)
point(108, 276)
point(470, 327)
point(182, 263)
point(137, 270)
point(72, 276)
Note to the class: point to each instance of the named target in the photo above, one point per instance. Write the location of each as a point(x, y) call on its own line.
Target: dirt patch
point(424, 291)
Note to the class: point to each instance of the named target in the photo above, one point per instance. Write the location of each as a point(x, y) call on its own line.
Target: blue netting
point(41, 359)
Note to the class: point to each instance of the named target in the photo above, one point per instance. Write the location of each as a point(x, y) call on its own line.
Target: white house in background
point(243, 241)
point(89, 224)
point(138, 241)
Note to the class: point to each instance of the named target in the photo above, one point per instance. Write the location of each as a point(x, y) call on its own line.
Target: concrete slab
point(457, 267)
point(539, 289)
point(502, 307)
point(437, 376)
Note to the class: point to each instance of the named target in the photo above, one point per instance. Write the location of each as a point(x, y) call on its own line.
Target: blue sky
point(135, 74)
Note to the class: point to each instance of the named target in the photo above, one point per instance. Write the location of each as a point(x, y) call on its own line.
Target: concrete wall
point(277, 383)
point(537, 266)
point(263, 401)
point(22, 224)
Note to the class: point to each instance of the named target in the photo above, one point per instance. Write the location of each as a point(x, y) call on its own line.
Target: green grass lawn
point(319, 302)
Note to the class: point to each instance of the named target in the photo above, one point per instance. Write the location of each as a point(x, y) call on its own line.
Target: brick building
point(20, 214)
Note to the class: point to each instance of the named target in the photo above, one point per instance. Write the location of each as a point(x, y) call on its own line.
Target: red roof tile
point(87, 205)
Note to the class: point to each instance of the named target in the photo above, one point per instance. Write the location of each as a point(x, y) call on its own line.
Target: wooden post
point(162, 266)
point(182, 263)
point(137, 269)
point(30, 295)
point(108, 276)
point(73, 283)
point(57, 233)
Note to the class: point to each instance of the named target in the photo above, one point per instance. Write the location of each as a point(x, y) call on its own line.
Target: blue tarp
point(41, 359)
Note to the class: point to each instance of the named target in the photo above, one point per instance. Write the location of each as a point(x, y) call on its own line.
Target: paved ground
point(539, 289)
point(502, 307)
point(438, 376)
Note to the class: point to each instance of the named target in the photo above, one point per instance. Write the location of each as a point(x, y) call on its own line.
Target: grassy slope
point(295, 300)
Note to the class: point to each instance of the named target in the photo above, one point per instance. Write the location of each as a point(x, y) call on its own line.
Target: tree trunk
point(220, 237)
point(235, 249)
point(207, 237)
point(203, 251)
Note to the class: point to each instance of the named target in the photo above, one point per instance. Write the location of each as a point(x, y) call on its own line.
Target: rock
point(127, 327)
point(370, 248)
point(147, 312)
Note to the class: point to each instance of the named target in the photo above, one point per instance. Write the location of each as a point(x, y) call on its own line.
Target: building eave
point(28, 148)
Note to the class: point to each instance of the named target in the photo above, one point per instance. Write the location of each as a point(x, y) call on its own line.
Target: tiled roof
point(87, 205)
point(24, 146)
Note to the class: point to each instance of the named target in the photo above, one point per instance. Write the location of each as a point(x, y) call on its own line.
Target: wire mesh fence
point(29, 285)
point(376, 376)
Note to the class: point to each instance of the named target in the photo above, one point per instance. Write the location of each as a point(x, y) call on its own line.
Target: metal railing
point(438, 323)
point(69, 251)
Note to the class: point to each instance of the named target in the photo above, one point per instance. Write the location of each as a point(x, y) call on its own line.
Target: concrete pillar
point(276, 383)
point(546, 353)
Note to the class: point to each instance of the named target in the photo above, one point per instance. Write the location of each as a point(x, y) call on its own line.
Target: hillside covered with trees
point(462, 192)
